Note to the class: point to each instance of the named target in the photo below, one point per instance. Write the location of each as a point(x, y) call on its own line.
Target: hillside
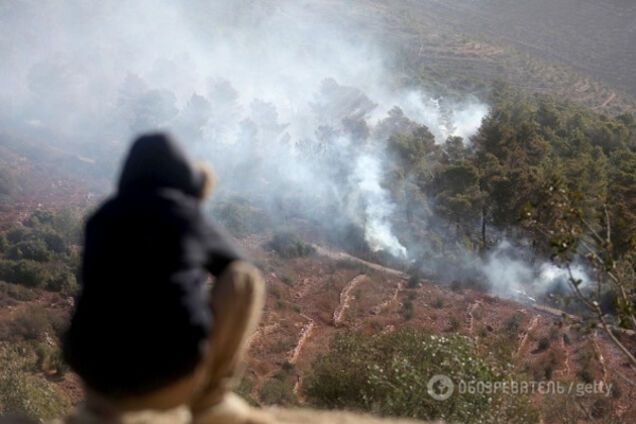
point(312, 299)
point(579, 50)
point(431, 189)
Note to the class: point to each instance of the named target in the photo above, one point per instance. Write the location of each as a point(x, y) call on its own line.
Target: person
point(147, 333)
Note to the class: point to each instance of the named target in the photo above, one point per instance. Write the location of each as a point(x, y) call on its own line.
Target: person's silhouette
point(146, 334)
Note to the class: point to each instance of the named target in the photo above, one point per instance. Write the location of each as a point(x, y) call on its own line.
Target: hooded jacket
point(142, 317)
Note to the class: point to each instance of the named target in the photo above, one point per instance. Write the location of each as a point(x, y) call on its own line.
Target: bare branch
point(594, 306)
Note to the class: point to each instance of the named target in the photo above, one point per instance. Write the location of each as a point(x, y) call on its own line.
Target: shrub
point(512, 324)
point(414, 280)
point(35, 250)
point(30, 324)
point(16, 292)
point(289, 246)
point(16, 235)
point(4, 243)
point(67, 223)
point(456, 285)
point(601, 408)
point(245, 388)
point(277, 392)
point(388, 374)
point(50, 360)
point(544, 344)
point(407, 310)
point(585, 375)
point(25, 394)
point(287, 280)
point(438, 303)
point(64, 282)
point(54, 242)
point(26, 272)
point(453, 324)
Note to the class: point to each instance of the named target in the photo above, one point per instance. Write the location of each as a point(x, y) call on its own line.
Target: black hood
point(157, 161)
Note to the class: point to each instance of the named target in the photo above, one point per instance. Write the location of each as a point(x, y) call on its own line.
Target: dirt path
point(305, 333)
point(297, 388)
point(345, 298)
point(471, 318)
point(565, 371)
point(323, 251)
point(555, 312)
point(262, 331)
point(608, 101)
point(524, 338)
point(599, 356)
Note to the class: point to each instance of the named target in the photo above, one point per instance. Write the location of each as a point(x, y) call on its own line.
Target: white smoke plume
point(377, 207)
point(511, 275)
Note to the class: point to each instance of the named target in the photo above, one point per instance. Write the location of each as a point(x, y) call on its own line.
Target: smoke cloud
point(281, 100)
point(292, 107)
point(511, 275)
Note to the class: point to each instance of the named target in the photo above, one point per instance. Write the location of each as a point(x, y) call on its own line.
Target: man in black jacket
point(145, 333)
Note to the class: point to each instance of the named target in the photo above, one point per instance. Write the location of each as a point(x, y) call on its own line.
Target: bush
point(64, 282)
point(36, 250)
point(407, 310)
point(245, 388)
point(414, 280)
point(30, 324)
point(388, 375)
point(456, 286)
point(544, 344)
point(50, 360)
point(438, 303)
point(25, 394)
point(66, 223)
point(277, 392)
point(16, 292)
point(26, 272)
point(16, 235)
point(54, 242)
point(512, 324)
point(289, 246)
point(4, 243)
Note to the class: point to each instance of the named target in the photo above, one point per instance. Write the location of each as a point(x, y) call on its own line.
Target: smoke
point(510, 274)
point(292, 105)
point(284, 100)
point(377, 208)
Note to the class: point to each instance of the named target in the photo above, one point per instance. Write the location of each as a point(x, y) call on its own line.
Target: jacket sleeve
point(219, 249)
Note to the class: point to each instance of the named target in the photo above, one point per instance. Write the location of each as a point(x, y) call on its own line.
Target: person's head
point(156, 161)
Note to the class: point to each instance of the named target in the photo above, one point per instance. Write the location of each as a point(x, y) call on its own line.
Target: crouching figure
point(148, 336)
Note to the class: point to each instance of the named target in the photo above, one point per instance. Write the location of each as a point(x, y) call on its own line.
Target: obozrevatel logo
point(440, 387)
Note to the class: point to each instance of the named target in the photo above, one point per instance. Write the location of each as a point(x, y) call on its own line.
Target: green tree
point(622, 199)
point(36, 250)
point(458, 195)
